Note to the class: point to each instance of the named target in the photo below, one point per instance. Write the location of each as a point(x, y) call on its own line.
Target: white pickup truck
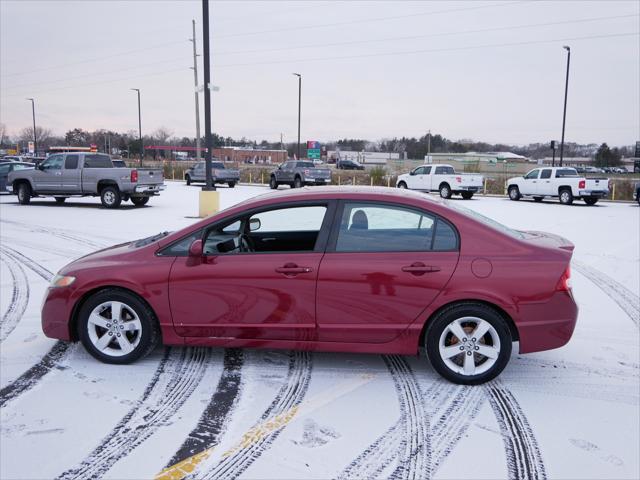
point(443, 179)
point(561, 182)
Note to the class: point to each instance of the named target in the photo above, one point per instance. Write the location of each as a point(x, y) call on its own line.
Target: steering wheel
point(246, 243)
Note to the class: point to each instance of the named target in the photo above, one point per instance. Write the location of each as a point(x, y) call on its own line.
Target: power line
point(411, 52)
point(430, 35)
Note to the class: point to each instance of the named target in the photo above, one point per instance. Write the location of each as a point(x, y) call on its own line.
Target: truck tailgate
point(597, 184)
point(150, 176)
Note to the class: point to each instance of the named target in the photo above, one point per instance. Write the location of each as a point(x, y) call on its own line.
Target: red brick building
point(248, 155)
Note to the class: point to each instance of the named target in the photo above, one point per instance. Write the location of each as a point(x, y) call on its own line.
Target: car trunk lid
point(548, 240)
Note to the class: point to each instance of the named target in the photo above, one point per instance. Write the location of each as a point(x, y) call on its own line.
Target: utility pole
point(553, 149)
point(299, 106)
point(139, 126)
point(564, 114)
point(429, 145)
point(33, 112)
point(195, 80)
point(207, 95)
point(281, 146)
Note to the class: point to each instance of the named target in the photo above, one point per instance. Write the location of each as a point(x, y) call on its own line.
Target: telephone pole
point(564, 113)
point(195, 82)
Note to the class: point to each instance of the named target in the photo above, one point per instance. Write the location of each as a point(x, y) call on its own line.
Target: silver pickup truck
point(64, 175)
point(298, 173)
point(219, 174)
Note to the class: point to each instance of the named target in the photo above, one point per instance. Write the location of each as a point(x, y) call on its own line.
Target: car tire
point(188, 179)
point(60, 200)
point(273, 184)
point(445, 190)
point(467, 195)
point(139, 201)
point(514, 193)
point(566, 197)
point(463, 361)
point(24, 193)
point(538, 199)
point(297, 182)
point(590, 200)
point(402, 185)
point(133, 335)
point(231, 184)
point(110, 197)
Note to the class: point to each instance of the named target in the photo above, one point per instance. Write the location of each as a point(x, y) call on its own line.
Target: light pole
point(33, 112)
point(139, 126)
point(564, 114)
point(195, 79)
point(207, 96)
point(299, 106)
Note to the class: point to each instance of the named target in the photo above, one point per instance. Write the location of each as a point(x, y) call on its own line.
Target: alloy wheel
point(114, 328)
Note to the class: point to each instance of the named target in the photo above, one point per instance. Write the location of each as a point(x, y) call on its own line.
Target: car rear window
point(566, 173)
point(305, 165)
point(218, 165)
point(97, 161)
point(445, 171)
point(486, 220)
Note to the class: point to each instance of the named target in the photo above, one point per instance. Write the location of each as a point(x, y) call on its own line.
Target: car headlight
point(62, 281)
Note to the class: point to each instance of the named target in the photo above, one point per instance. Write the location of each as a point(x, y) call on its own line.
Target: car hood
point(116, 254)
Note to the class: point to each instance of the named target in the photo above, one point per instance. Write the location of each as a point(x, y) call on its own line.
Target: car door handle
point(419, 268)
point(269, 239)
point(293, 269)
point(58, 173)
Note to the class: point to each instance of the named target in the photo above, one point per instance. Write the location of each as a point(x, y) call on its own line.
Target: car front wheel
point(468, 343)
point(402, 185)
point(117, 327)
point(297, 183)
point(514, 194)
point(24, 194)
point(273, 184)
point(188, 179)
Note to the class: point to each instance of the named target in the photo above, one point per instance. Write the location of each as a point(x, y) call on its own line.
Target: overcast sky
point(482, 70)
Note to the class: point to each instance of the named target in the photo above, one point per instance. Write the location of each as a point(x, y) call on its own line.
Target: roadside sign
point(313, 149)
point(31, 147)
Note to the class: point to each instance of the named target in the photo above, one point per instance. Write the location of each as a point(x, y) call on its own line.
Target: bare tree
point(162, 134)
point(42, 134)
point(3, 133)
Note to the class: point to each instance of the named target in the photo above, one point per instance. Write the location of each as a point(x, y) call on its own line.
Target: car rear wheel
point(402, 185)
point(231, 184)
point(445, 190)
point(60, 200)
point(24, 194)
point(188, 179)
point(467, 195)
point(566, 197)
point(110, 197)
point(514, 193)
point(590, 200)
point(468, 343)
point(297, 183)
point(273, 185)
point(117, 327)
point(139, 201)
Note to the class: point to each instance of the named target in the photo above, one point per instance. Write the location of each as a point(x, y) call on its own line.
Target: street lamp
point(564, 114)
point(33, 112)
point(299, 104)
point(139, 126)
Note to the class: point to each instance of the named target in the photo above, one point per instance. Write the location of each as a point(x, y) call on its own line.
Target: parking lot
point(566, 413)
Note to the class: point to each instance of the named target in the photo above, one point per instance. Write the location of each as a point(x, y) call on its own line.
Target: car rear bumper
point(9, 188)
point(547, 325)
point(593, 193)
point(467, 189)
point(149, 188)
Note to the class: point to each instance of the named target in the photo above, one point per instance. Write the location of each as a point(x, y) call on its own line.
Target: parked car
point(443, 179)
point(8, 167)
point(349, 165)
point(21, 158)
point(339, 269)
point(64, 175)
point(298, 173)
point(636, 192)
point(561, 182)
point(219, 174)
point(593, 170)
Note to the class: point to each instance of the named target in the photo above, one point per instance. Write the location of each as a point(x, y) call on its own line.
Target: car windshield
point(566, 173)
point(486, 220)
point(305, 165)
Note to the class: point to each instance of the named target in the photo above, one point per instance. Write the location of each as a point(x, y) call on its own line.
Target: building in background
point(365, 158)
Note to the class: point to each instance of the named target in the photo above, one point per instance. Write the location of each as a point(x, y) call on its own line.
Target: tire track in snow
point(173, 382)
point(259, 439)
point(625, 298)
point(64, 234)
point(524, 460)
point(214, 419)
point(38, 269)
point(19, 296)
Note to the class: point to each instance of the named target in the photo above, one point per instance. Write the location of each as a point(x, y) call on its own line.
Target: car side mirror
point(195, 249)
point(413, 172)
point(254, 224)
point(40, 166)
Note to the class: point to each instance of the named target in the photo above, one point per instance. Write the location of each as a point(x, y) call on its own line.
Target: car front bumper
point(9, 188)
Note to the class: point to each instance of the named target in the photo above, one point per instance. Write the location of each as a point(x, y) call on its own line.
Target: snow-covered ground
point(567, 413)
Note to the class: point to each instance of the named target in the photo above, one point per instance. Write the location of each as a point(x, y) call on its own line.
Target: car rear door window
point(366, 227)
point(71, 162)
point(546, 173)
point(97, 161)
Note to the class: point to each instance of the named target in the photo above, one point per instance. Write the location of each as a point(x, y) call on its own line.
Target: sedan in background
point(7, 167)
point(349, 165)
point(336, 269)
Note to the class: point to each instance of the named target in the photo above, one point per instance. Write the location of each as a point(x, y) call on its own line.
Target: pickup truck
point(562, 182)
point(298, 173)
point(64, 175)
point(219, 174)
point(443, 179)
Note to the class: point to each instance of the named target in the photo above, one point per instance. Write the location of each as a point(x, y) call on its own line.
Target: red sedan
point(326, 269)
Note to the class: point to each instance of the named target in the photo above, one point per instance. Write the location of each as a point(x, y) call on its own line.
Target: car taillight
point(582, 184)
point(134, 176)
point(564, 284)
point(458, 179)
